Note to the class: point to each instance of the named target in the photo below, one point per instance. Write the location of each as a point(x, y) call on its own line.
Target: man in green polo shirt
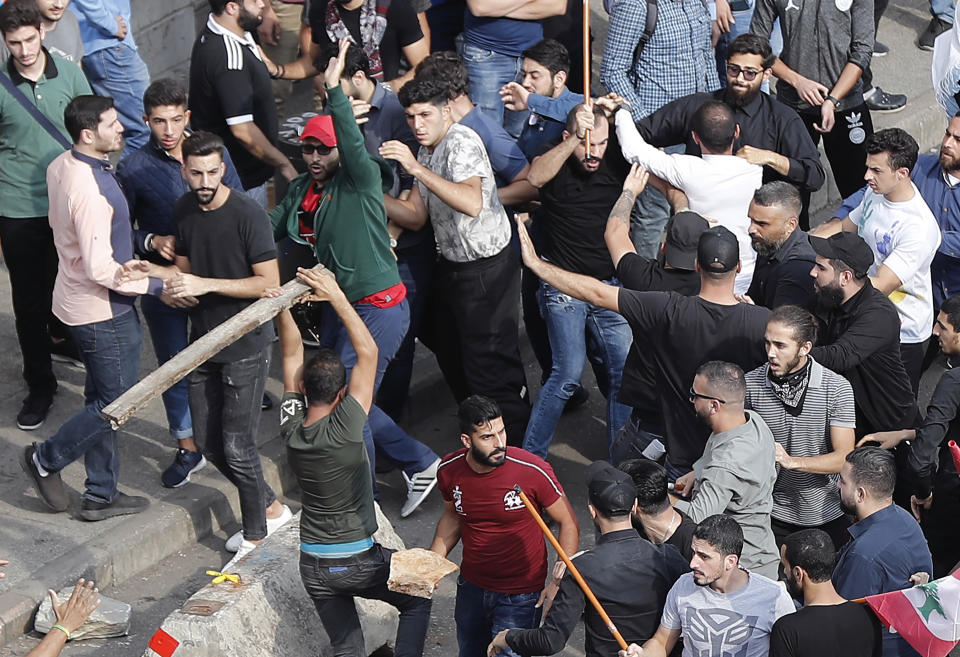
point(26, 148)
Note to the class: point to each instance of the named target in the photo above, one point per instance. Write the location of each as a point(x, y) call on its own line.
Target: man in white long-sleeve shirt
point(718, 186)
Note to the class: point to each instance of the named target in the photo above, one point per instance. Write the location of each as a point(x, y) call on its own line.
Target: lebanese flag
point(927, 616)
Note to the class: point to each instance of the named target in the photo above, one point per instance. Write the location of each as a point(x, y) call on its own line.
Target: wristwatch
point(835, 101)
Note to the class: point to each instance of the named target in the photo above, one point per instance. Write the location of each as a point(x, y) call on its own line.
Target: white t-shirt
point(731, 624)
point(903, 236)
point(718, 187)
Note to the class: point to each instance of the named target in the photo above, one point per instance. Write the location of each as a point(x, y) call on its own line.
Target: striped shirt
point(803, 498)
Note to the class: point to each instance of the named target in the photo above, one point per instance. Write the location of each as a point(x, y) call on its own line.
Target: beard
point(488, 459)
point(247, 21)
point(205, 195)
point(949, 164)
point(795, 591)
point(740, 98)
point(846, 508)
point(829, 298)
point(764, 248)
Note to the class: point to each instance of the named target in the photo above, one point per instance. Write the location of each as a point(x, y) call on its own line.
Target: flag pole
point(573, 569)
point(586, 69)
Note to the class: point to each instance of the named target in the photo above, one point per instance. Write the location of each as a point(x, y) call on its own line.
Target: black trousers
point(913, 356)
point(32, 263)
point(844, 145)
point(940, 524)
point(472, 327)
point(879, 6)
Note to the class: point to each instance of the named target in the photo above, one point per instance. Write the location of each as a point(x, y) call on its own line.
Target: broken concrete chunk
point(110, 619)
point(417, 572)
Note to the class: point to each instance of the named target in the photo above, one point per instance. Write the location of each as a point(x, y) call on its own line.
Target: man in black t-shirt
point(674, 270)
point(231, 96)
point(654, 516)
point(577, 190)
point(225, 249)
point(683, 332)
point(827, 625)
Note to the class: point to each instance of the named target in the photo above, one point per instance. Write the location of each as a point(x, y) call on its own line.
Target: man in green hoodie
point(337, 208)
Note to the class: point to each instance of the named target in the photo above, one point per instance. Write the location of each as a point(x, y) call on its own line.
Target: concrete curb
point(139, 542)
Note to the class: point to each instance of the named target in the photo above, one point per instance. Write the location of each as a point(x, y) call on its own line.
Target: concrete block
point(267, 612)
point(110, 619)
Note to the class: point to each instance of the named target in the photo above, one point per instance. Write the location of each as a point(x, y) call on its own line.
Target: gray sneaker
point(50, 488)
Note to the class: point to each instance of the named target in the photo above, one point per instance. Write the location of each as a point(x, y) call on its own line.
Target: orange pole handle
point(573, 569)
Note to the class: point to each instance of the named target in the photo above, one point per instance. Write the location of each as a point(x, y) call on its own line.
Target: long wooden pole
point(586, 69)
point(263, 310)
point(573, 569)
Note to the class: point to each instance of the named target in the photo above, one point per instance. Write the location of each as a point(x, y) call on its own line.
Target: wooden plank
point(165, 376)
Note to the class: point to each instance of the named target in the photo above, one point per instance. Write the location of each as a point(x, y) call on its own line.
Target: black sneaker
point(66, 351)
point(185, 463)
point(880, 101)
point(935, 28)
point(880, 49)
point(122, 505)
point(34, 411)
point(50, 488)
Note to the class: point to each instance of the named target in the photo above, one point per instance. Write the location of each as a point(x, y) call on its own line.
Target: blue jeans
point(169, 333)
point(110, 350)
point(416, 264)
point(942, 9)
point(259, 194)
point(480, 614)
point(333, 584)
point(388, 326)
point(225, 401)
point(488, 71)
point(119, 72)
point(577, 328)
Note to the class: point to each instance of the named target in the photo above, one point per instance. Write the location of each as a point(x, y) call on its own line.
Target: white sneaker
point(418, 487)
point(243, 550)
point(273, 524)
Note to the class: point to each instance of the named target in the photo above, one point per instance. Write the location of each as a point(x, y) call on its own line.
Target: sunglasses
point(693, 394)
point(310, 149)
point(749, 74)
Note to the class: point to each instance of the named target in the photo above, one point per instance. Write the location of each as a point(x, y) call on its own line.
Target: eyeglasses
point(749, 74)
point(309, 149)
point(693, 394)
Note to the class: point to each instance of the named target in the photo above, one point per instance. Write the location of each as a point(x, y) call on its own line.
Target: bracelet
point(835, 101)
point(280, 72)
point(60, 627)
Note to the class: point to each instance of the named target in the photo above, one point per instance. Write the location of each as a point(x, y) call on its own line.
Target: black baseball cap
point(611, 491)
point(848, 248)
point(718, 250)
point(683, 235)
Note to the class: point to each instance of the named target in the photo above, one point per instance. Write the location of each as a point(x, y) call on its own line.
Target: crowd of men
point(761, 378)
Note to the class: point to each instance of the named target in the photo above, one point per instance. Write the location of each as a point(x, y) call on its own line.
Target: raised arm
point(545, 167)
point(579, 286)
point(364, 373)
point(617, 233)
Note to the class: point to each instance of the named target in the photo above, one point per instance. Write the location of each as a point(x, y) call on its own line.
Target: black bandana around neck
point(791, 389)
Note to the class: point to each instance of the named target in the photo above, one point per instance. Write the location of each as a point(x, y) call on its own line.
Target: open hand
point(77, 609)
point(514, 96)
point(400, 152)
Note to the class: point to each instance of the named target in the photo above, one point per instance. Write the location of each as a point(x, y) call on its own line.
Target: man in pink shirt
point(94, 296)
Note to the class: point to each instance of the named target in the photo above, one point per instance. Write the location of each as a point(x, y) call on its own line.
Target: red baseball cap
point(321, 129)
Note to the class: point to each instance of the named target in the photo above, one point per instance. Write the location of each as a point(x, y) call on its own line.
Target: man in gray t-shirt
point(61, 32)
point(737, 471)
point(718, 608)
point(476, 293)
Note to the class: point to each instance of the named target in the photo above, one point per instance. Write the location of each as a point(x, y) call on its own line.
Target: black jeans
point(32, 263)
point(844, 145)
point(225, 403)
point(473, 330)
point(333, 584)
